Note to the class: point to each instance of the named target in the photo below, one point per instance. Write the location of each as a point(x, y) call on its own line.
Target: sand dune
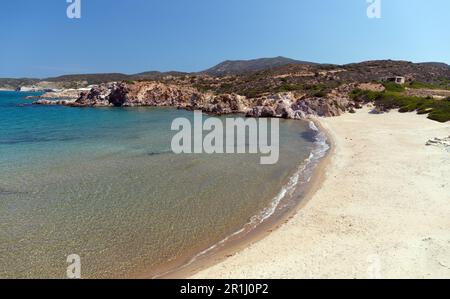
point(383, 210)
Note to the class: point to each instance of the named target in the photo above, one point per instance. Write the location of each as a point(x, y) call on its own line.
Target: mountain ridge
point(234, 67)
point(226, 68)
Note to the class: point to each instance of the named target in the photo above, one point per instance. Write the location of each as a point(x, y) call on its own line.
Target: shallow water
point(103, 183)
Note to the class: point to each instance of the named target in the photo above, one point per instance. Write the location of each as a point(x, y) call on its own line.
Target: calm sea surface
point(103, 183)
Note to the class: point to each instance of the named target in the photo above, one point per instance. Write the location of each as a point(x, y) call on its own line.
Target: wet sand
point(380, 210)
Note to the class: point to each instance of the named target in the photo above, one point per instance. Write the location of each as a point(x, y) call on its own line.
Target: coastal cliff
point(290, 105)
point(292, 91)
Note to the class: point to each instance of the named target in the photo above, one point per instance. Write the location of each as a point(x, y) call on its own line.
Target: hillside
point(90, 78)
point(155, 75)
point(260, 76)
point(13, 83)
point(236, 67)
point(317, 80)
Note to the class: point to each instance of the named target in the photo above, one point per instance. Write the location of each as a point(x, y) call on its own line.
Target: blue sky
point(130, 36)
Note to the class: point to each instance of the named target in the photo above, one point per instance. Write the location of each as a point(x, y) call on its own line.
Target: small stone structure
point(396, 79)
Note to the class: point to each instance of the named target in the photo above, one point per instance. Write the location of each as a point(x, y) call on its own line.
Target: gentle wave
point(305, 170)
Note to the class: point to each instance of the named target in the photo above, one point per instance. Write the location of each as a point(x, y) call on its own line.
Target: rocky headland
point(257, 89)
point(66, 94)
point(289, 105)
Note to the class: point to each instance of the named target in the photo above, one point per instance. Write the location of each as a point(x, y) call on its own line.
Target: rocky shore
point(264, 88)
point(289, 105)
point(67, 94)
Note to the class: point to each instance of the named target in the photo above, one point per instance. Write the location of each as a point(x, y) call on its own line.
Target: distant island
point(268, 87)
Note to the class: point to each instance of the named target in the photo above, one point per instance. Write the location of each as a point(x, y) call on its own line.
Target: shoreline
point(364, 217)
point(236, 242)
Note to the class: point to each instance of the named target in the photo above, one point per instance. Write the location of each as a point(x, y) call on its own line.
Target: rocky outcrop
point(280, 105)
point(261, 111)
point(66, 94)
point(54, 102)
point(161, 95)
point(299, 106)
point(223, 104)
point(287, 105)
point(284, 110)
point(98, 96)
point(440, 142)
point(318, 107)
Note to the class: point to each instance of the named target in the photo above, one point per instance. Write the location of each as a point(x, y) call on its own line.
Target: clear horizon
point(177, 36)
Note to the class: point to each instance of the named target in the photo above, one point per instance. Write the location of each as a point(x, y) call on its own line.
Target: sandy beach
point(381, 211)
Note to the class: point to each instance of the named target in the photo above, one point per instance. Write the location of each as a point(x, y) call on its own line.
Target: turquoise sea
point(103, 183)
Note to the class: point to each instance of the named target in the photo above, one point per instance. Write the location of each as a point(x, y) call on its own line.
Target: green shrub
point(391, 86)
point(251, 93)
point(364, 95)
point(285, 87)
point(226, 87)
point(438, 110)
point(444, 84)
point(320, 94)
point(201, 87)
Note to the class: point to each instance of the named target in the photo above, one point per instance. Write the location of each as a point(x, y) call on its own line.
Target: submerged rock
point(53, 102)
